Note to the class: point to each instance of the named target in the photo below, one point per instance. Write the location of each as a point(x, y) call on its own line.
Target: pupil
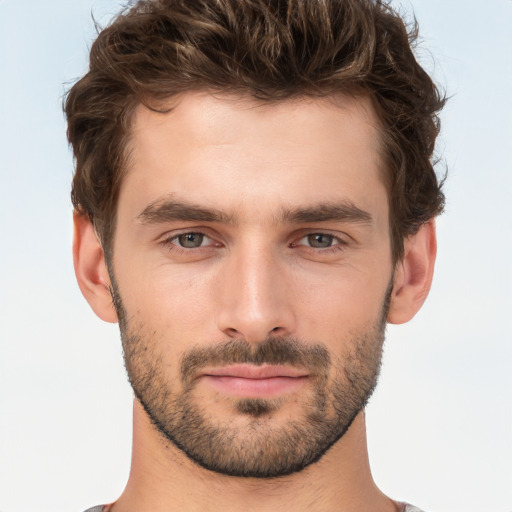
point(191, 240)
point(320, 241)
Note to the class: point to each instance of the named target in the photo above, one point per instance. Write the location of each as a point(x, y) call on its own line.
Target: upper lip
point(246, 371)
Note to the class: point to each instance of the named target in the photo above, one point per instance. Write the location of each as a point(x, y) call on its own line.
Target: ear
point(413, 274)
point(91, 269)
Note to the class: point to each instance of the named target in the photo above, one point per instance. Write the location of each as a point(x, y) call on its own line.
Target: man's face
point(251, 272)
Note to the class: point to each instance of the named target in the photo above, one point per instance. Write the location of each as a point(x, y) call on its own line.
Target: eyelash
point(338, 243)
point(168, 242)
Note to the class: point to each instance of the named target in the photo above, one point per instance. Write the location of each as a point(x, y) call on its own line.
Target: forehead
point(249, 152)
point(201, 118)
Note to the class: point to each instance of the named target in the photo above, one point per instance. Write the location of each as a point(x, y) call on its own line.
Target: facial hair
point(261, 445)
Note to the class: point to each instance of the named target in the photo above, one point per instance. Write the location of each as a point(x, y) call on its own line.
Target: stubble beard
point(262, 445)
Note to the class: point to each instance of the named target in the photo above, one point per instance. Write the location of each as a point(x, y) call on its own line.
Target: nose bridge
point(254, 300)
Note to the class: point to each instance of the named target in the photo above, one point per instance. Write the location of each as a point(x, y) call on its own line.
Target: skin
point(255, 275)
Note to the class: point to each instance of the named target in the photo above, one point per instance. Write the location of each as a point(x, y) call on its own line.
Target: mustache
point(272, 351)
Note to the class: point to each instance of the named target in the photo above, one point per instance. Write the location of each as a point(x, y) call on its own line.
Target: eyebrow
point(345, 211)
point(170, 210)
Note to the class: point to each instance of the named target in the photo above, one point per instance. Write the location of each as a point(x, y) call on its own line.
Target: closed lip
point(247, 371)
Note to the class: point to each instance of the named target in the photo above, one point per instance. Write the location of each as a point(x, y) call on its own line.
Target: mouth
point(249, 381)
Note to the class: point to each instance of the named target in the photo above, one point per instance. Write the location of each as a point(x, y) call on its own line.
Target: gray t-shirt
point(406, 508)
point(410, 508)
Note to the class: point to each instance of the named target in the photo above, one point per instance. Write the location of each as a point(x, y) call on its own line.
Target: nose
point(254, 298)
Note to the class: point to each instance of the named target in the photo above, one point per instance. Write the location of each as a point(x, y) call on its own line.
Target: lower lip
point(254, 388)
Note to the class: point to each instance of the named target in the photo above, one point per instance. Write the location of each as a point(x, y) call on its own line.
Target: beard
point(254, 442)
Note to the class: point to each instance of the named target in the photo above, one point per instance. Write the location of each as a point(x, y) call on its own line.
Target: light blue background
point(440, 424)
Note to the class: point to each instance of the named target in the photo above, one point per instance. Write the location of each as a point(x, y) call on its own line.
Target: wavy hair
point(272, 50)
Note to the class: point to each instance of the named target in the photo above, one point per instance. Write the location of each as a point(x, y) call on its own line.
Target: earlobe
point(413, 274)
point(90, 268)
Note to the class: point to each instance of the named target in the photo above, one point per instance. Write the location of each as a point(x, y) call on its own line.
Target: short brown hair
point(272, 50)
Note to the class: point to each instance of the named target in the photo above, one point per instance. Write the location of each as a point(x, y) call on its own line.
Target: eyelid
point(340, 238)
point(173, 238)
point(169, 238)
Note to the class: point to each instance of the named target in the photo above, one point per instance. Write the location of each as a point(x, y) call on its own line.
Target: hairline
point(166, 105)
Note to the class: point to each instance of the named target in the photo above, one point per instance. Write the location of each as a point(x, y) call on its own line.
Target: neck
point(162, 476)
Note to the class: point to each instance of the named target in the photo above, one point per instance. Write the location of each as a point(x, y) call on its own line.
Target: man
point(254, 200)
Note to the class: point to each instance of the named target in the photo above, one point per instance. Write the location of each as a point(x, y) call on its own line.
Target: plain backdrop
point(440, 424)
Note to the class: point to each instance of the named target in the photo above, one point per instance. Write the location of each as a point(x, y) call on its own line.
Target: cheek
point(342, 301)
point(166, 298)
point(182, 301)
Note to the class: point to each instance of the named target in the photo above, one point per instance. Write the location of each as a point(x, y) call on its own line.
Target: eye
point(190, 245)
point(321, 245)
point(190, 240)
point(319, 240)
